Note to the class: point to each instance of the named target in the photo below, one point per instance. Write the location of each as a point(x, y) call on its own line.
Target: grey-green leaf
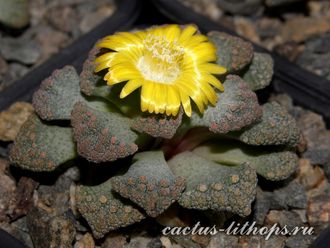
point(157, 125)
point(102, 136)
point(214, 186)
point(236, 108)
point(88, 79)
point(150, 183)
point(42, 147)
point(270, 163)
point(93, 84)
point(260, 72)
point(277, 127)
point(233, 53)
point(55, 98)
point(105, 210)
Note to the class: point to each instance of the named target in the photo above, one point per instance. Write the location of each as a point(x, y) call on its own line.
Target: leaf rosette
point(203, 148)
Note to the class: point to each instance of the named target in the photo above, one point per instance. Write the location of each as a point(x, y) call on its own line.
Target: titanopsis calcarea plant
point(180, 106)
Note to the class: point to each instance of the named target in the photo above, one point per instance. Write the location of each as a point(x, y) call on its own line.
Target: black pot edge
point(54, 62)
point(125, 15)
point(8, 240)
point(306, 89)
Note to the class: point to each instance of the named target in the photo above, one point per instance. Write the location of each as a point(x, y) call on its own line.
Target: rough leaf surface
point(214, 186)
point(92, 84)
point(89, 79)
point(102, 136)
point(277, 127)
point(150, 183)
point(57, 94)
point(232, 52)
point(157, 125)
point(260, 71)
point(105, 210)
point(236, 108)
point(41, 147)
point(269, 163)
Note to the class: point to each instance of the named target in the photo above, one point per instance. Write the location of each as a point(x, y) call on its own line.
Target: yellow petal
point(194, 41)
point(173, 101)
point(213, 81)
point(163, 98)
point(205, 52)
point(129, 87)
point(187, 33)
point(117, 43)
point(146, 95)
point(119, 74)
point(102, 66)
point(152, 99)
point(198, 100)
point(172, 32)
point(105, 57)
point(210, 93)
point(185, 100)
point(213, 68)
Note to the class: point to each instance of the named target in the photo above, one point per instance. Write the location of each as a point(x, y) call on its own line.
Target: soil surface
point(38, 207)
point(296, 29)
point(53, 25)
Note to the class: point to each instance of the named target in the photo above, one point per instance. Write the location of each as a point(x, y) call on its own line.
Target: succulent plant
point(207, 161)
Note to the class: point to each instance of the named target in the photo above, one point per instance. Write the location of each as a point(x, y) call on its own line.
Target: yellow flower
point(170, 64)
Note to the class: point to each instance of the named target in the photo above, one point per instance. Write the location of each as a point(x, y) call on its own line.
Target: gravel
point(52, 26)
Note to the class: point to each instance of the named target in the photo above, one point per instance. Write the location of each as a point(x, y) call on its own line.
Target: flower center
point(162, 59)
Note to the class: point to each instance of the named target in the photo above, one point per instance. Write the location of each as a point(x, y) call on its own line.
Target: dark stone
point(299, 241)
point(223, 240)
point(261, 206)
point(286, 218)
point(14, 72)
point(23, 197)
point(292, 195)
point(155, 243)
point(7, 191)
point(63, 18)
point(47, 230)
point(184, 241)
point(20, 49)
point(316, 56)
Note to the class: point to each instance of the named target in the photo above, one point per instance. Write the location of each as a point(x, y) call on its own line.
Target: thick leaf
point(150, 183)
point(42, 147)
point(88, 79)
point(102, 136)
point(277, 127)
point(232, 52)
point(214, 186)
point(105, 210)
point(260, 72)
point(157, 125)
point(236, 108)
point(92, 84)
point(269, 163)
point(55, 98)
